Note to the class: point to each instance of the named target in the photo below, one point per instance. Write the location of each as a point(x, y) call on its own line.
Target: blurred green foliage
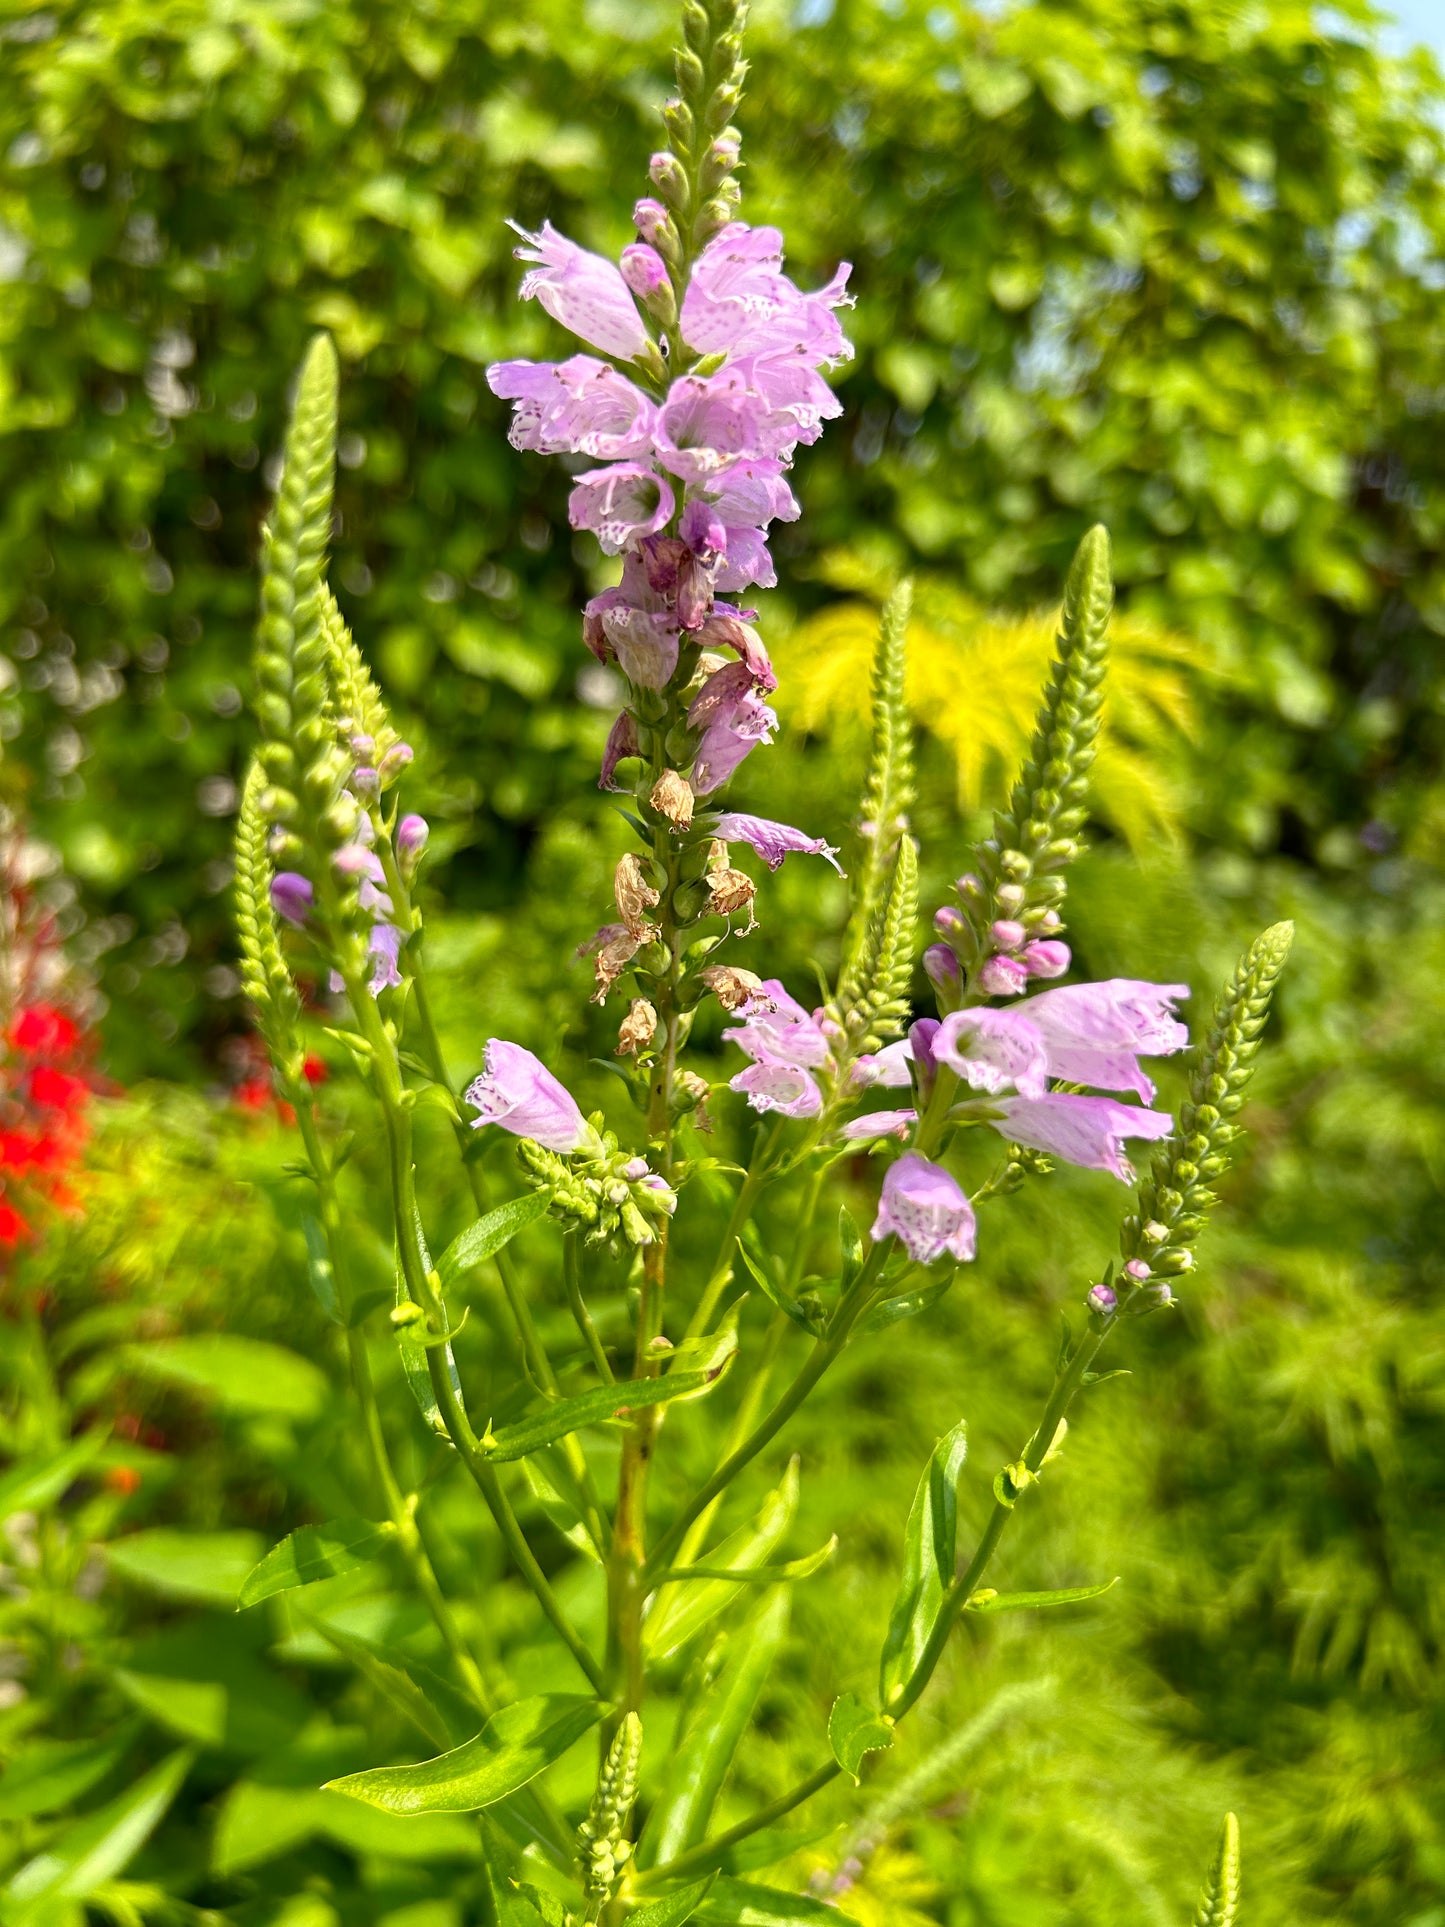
point(1173, 264)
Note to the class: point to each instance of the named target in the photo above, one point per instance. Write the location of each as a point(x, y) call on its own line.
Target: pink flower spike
point(586, 293)
point(992, 1049)
point(923, 1205)
point(770, 1085)
point(1088, 1131)
point(518, 1092)
point(620, 504)
point(1002, 977)
point(1093, 1033)
point(1045, 958)
point(862, 1130)
point(739, 301)
point(773, 841)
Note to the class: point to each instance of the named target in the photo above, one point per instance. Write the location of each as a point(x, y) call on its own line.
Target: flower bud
point(1154, 1232)
point(1007, 935)
point(665, 172)
point(1010, 897)
point(1045, 958)
point(947, 920)
point(1137, 1270)
point(411, 836)
point(393, 763)
point(643, 269)
point(634, 1169)
point(650, 218)
point(1002, 977)
point(942, 967)
point(968, 885)
point(366, 781)
point(1103, 1299)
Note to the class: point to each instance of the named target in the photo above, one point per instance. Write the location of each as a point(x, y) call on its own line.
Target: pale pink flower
point(752, 494)
point(747, 563)
point(586, 293)
point(735, 730)
point(1092, 1032)
point(1002, 976)
point(992, 1049)
point(383, 947)
point(620, 503)
point(877, 1124)
point(740, 302)
point(776, 1026)
point(706, 422)
point(771, 1085)
point(773, 841)
point(518, 1092)
point(1089, 1131)
point(922, 1205)
point(580, 406)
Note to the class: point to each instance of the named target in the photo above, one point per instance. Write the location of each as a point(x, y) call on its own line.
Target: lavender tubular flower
point(583, 291)
point(925, 1209)
point(773, 841)
point(518, 1092)
point(292, 896)
point(1089, 1131)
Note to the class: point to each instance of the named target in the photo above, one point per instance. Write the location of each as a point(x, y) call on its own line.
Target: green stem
point(1066, 1387)
point(572, 1278)
point(421, 1287)
point(759, 1174)
point(825, 1350)
point(401, 1512)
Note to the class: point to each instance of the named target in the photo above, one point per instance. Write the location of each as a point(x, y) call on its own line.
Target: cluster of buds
point(602, 1850)
point(1158, 1239)
point(1005, 929)
point(610, 1194)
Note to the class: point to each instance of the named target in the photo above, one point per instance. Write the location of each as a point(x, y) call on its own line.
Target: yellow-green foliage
point(974, 676)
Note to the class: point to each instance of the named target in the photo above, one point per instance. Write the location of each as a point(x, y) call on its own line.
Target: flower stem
point(572, 1278)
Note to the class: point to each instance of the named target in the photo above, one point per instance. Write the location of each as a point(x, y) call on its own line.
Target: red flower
point(254, 1095)
point(57, 1090)
point(314, 1071)
point(12, 1226)
point(43, 1031)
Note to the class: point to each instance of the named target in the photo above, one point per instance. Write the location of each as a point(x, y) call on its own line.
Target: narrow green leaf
point(98, 1847)
point(593, 1407)
point(907, 1304)
point(319, 1271)
point(549, 1485)
point(437, 1713)
point(738, 1903)
point(774, 1292)
point(767, 1847)
point(677, 1907)
point(703, 1755)
point(314, 1552)
point(243, 1375)
point(489, 1235)
point(1010, 1602)
point(209, 1567)
point(758, 1575)
point(36, 1483)
point(678, 1612)
point(929, 1555)
point(512, 1748)
point(854, 1730)
point(51, 1774)
point(850, 1245)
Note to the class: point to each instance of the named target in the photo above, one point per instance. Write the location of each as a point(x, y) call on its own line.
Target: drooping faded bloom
point(925, 1208)
point(773, 841)
point(518, 1092)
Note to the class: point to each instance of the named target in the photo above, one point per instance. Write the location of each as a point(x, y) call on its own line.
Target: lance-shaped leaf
point(738, 1903)
point(413, 1352)
point(1013, 1602)
point(320, 1273)
point(512, 1748)
point(675, 1909)
point(438, 1713)
point(712, 1353)
point(593, 1407)
point(489, 1235)
point(907, 1304)
point(766, 1575)
point(51, 1774)
point(680, 1611)
point(929, 1555)
point(97, 1848)
point(314, 1552)
point(703, 1755)
point(762, 1275)
point(854, 1730)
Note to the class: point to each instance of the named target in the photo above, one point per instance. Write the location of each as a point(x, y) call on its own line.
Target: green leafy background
point(1173, 266)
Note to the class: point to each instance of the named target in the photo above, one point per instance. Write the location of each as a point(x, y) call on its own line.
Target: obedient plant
point(700, 372)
